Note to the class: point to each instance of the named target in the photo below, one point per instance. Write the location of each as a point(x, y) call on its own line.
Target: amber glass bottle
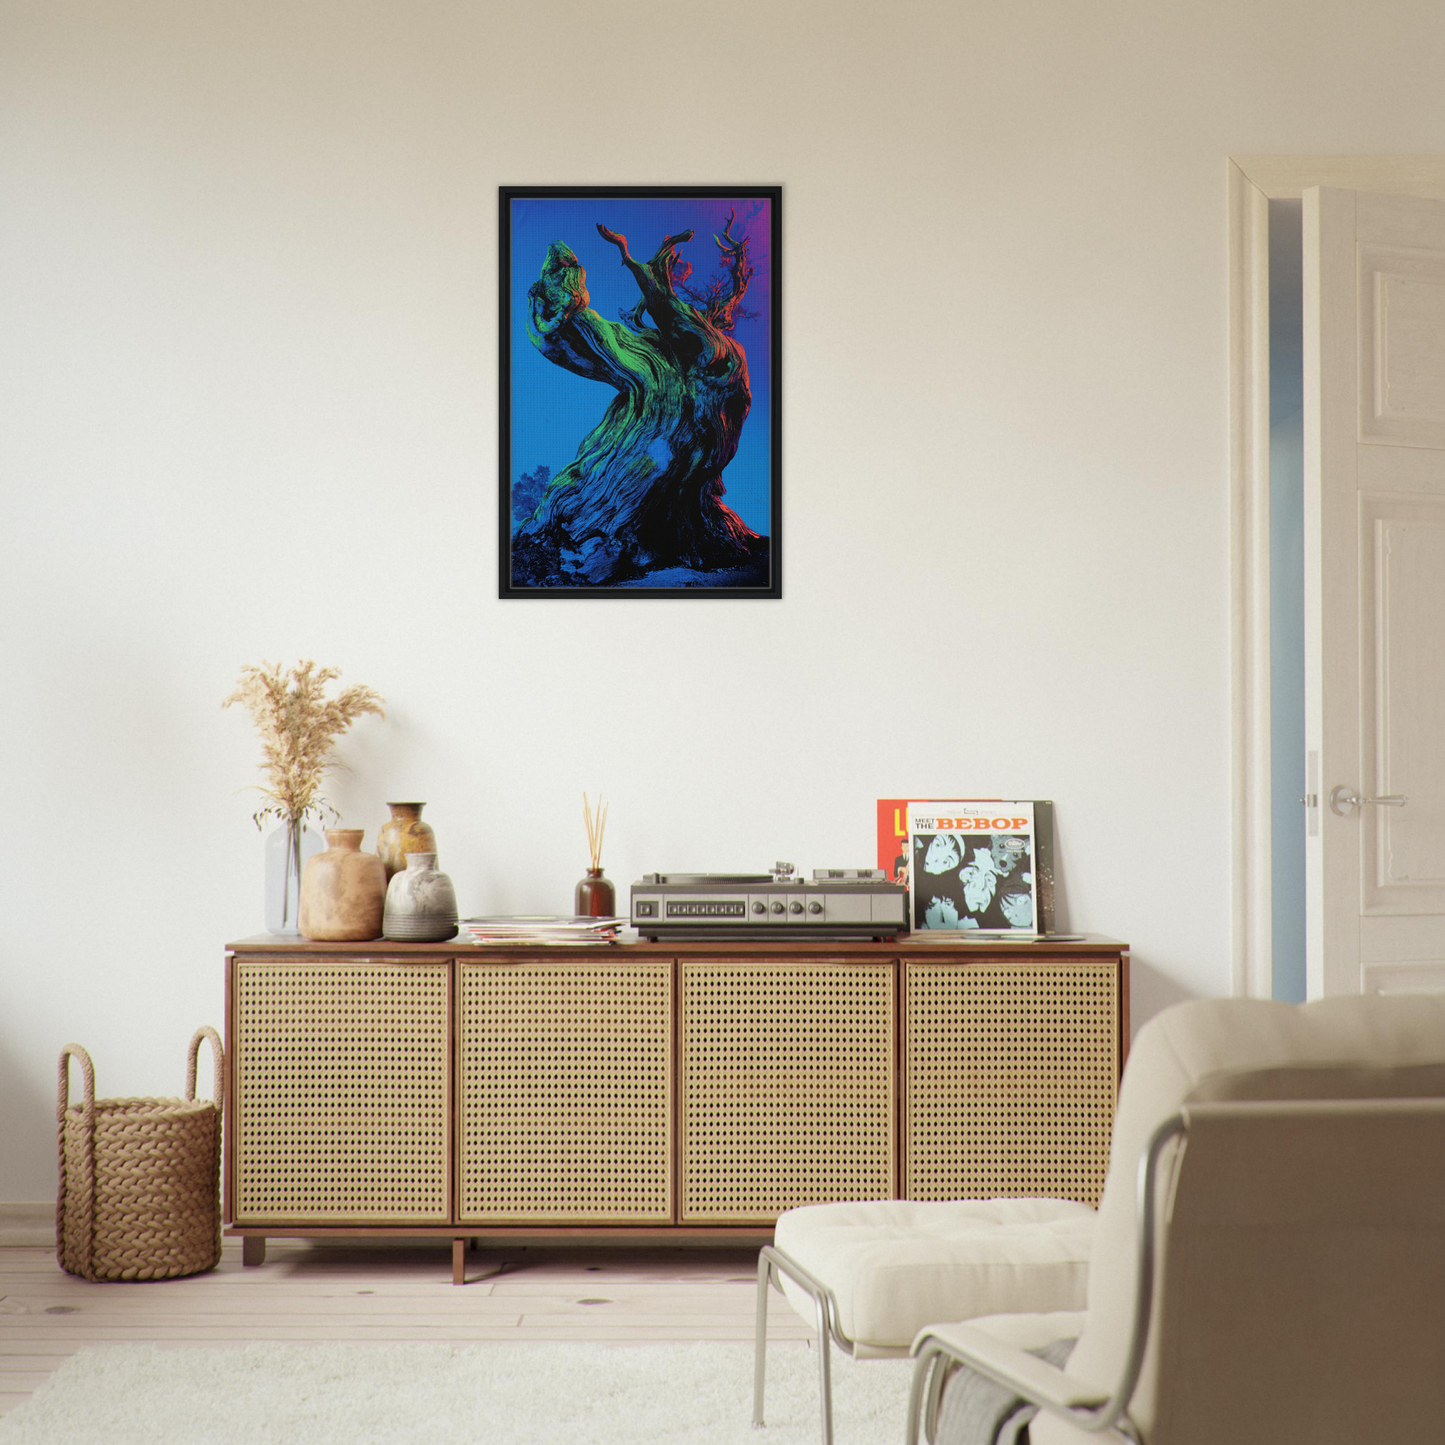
point(595, 896)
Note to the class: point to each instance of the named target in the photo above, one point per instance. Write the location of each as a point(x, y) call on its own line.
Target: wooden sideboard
point(657, 1091)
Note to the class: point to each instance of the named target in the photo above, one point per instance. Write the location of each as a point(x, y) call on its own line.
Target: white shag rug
point(477, 1394)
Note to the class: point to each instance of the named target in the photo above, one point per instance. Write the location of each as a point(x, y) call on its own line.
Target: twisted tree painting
point(640, 453)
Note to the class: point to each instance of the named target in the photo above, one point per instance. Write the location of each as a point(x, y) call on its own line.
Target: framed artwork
point(639, 420)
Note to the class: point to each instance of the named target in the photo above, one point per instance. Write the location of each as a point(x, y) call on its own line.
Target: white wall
point(248, 289)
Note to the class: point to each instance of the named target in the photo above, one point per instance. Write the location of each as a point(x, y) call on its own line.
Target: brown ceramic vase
point(343, 890)
point(403, 833)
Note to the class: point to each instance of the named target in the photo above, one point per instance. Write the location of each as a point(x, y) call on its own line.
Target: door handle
point(1344, 800)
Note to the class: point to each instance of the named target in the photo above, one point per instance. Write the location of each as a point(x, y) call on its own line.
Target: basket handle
point(218, 1055)
point(84, 1186)
point(87, 1070)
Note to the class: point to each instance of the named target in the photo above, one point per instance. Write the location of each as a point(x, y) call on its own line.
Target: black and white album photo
point(973, 880)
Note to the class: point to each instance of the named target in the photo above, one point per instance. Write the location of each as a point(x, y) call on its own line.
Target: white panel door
point(1374, 279)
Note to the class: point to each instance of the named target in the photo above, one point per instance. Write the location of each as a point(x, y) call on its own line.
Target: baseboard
point(28, 1223)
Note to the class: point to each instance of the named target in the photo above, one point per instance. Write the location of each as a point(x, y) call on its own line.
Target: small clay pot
point(403, 833)
point(343, 890)
point(421, 904)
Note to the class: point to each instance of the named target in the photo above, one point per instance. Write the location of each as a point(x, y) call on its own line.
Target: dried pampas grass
point(298, 724)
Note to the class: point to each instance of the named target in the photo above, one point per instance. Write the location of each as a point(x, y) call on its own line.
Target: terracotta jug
point(343, 890)
point(403, 833)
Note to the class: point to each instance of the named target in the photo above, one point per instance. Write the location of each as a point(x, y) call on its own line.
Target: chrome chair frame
point(771, 1264)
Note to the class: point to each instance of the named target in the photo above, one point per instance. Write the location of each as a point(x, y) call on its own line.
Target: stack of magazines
point(524, 928)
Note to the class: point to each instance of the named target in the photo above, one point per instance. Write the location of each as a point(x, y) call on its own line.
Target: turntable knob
point(777, 908)
point(795, 907)
point(759, 906)
point(815, 907)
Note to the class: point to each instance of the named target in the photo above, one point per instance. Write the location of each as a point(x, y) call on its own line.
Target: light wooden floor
point(381, 1292)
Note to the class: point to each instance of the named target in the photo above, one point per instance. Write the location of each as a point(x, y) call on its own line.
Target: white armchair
point(1269, 1259)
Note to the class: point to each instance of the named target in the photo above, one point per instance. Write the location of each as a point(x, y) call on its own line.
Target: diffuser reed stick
point(596, 826)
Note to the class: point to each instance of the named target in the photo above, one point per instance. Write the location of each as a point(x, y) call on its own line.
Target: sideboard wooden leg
point(459, 1261)
point(253, 1249)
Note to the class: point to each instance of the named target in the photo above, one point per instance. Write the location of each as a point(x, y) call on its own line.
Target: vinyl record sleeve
point(895, 858)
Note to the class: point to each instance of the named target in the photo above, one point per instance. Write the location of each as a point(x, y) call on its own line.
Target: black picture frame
point(612, 528)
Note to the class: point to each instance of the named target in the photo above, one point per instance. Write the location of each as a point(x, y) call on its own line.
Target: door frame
point(1254, 181)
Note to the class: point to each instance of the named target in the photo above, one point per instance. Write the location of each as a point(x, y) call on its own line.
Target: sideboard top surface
point(910, 946)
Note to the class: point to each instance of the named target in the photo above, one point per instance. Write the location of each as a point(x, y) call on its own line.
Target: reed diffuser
point(595, 896)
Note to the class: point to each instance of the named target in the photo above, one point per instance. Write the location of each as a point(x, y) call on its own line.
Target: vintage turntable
point(834, 903)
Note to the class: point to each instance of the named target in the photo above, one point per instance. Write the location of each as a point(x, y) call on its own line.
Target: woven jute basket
point(139, 1178)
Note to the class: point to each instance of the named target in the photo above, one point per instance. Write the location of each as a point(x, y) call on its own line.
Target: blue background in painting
point(552, 408)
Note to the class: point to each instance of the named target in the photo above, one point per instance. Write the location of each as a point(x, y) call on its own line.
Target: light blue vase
point(287, 849)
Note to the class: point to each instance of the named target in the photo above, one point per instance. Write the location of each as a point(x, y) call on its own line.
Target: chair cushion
point(896, 1265)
